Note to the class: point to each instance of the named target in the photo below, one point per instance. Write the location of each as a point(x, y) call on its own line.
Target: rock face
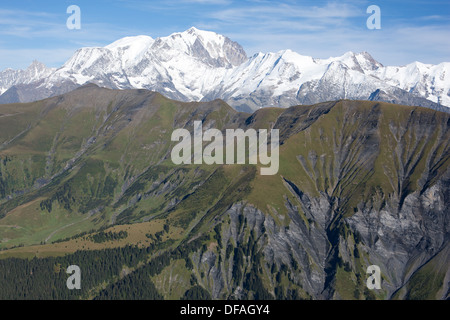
point(400, 241)
point(401, 232)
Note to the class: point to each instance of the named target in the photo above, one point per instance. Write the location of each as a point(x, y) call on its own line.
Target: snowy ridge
point(202, 65)
point(35, 72)
point(426, 80)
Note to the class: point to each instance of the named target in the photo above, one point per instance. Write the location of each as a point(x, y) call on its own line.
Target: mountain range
point(197, 65)
point(86, 179)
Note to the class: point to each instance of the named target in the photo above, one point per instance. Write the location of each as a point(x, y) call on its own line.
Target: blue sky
point(410, 30)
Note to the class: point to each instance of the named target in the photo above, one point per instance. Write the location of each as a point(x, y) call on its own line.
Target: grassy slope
point(126, 175)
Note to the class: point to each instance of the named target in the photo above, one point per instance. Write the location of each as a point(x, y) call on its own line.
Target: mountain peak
point(362, 62)
point(206, 38)
point(209, 47)
point(369, 60)
point(37, 70)
point(193, 30)
point(37, 64)
point(196, 31)
point(129, 41)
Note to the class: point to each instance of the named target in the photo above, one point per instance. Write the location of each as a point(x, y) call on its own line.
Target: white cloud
point(331, 30)
point(327, 29)
point(209, 2)
point(280, 12)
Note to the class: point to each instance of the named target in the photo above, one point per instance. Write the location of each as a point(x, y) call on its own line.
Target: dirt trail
point(63, 227)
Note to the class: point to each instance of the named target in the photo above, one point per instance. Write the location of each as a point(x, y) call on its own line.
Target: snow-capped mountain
point(35, 72)
point(181, 66)
point(288, 78)
point(425, 80)
point(202, 65)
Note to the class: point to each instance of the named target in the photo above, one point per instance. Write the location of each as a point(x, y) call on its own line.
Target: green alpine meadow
point(86, 179)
